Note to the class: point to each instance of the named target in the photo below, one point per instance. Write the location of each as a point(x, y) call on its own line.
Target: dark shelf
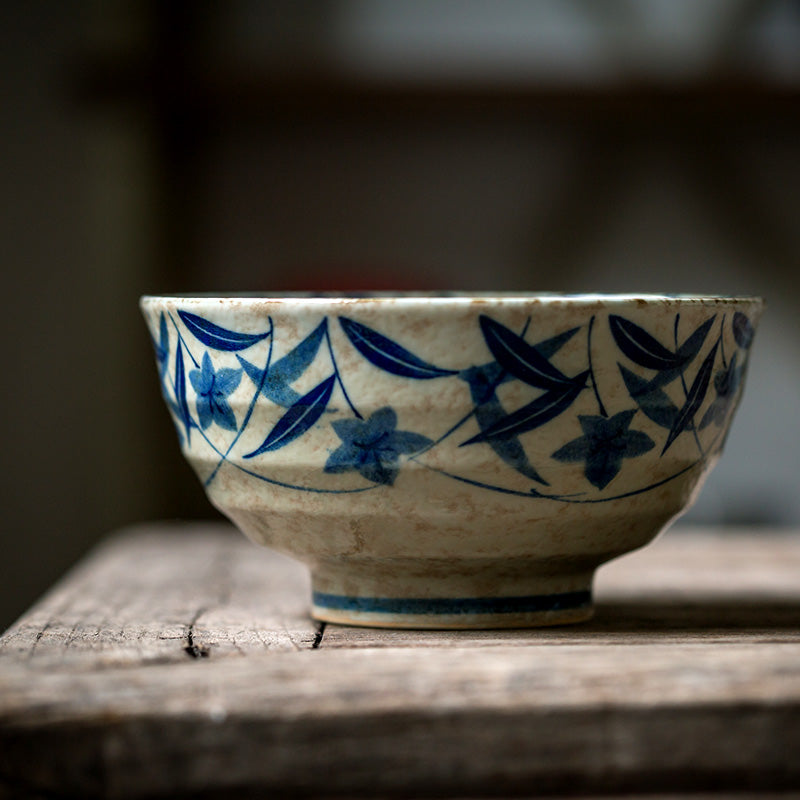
point(259, 94)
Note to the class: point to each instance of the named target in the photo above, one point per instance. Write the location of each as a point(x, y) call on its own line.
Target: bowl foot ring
point(454, 613)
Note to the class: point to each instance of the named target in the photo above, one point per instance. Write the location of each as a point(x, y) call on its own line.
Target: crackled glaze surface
point(452, 461)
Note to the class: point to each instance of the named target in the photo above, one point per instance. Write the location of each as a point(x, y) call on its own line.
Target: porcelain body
point(452, 461)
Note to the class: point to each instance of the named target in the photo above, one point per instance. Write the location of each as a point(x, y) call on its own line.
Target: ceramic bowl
point(452, 460)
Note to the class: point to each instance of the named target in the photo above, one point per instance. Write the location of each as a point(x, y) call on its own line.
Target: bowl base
point(561, 608)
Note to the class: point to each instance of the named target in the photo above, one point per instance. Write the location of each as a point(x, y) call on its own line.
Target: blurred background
point(564, 145)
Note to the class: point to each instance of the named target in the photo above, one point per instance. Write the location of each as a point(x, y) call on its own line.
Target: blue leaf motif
point(483, 380)
point(217, 337)
point(287, 369)
point(520, 359)
point(510, 450)
point(180, 394)
point(294, 363)
point(743, 330)
point(534, 414)
point(639, 346)
point(489, 411)
point(162, 345)
point(253, 372)
point(387, 354)
point(281, 395)
point(694, 398)
point(653, 401)
point(298, 419)
point(726, 383)
point(694, 343)
point(549, 347)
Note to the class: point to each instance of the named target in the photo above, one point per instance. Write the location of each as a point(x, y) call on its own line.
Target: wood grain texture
point(165, 593)
point(688, 680)
point(445, 722)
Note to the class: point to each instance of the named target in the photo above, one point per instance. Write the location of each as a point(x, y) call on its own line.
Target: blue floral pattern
point(213, 387)
point(667, 385)
point(373, 446)
point(604, 444)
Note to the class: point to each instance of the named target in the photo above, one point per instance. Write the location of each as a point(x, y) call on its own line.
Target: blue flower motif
point(212, 388)
point(373, 447)
point(605, 442)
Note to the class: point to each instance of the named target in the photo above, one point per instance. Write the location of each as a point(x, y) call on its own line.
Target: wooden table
point(179, 660)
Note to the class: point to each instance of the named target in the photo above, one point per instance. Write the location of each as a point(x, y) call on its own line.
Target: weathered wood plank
point(688, 679)
point(167, 592)
point(572, 718)
point(732, 563)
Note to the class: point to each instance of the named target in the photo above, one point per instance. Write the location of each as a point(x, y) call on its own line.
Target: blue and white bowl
point(452, 461)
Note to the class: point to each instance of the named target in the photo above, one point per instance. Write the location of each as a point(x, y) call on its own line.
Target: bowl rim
point(446, 298)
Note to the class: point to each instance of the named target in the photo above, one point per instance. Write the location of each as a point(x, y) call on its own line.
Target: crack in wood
point(195, 593)
point(317, 641)
point(195, 649)
point(221, 579)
